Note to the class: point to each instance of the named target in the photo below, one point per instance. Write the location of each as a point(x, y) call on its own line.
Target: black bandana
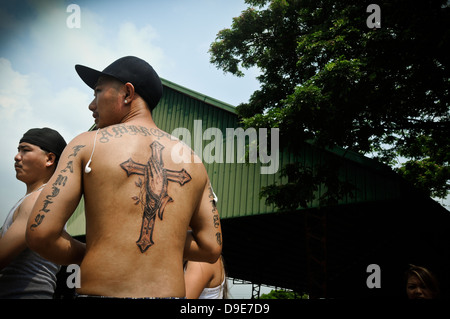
point(46, 138)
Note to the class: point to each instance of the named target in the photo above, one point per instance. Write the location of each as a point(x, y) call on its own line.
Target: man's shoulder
point(25, 208)
point(132, 129)
point(79, 144)
point(83, 138)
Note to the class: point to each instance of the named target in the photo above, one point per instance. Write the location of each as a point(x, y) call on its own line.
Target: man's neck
point(32, 187)
point(138, 112)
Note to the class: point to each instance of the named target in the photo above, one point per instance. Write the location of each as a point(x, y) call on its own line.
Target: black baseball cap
point(131, 69)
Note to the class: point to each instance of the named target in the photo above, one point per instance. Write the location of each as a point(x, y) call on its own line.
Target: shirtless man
point(23, 273)
point(140, 197)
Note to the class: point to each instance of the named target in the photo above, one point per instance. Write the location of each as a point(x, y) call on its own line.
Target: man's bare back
point(144, 188)
point(138, 206)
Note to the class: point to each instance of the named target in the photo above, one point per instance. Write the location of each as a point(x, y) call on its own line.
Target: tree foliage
point(283, 294)
point(326, 77)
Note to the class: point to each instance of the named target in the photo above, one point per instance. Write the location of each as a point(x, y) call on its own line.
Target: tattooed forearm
point(153, 194)
point(60, 181)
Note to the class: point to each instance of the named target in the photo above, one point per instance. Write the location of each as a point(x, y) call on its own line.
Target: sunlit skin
point(108, 96)
point(29, 163)
point(33, 167)
point(415, 289)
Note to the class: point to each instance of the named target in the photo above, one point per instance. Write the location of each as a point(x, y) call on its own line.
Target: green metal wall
point(238, 185)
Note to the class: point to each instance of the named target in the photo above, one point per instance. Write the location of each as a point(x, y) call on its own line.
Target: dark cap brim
point(131, 69)
point(88, 75)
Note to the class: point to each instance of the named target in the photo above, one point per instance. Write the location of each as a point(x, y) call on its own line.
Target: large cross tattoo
point(153, 195)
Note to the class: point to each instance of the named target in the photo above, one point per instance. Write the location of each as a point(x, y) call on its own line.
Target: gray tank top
point(28, 275)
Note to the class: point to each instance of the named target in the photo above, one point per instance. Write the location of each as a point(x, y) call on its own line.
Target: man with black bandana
point(23, 273)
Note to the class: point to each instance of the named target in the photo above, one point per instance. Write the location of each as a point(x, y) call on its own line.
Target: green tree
point(283, 294)
point(328, 78)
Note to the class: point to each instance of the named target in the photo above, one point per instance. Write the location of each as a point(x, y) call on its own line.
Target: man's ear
point(129, 92)
point(51, 159)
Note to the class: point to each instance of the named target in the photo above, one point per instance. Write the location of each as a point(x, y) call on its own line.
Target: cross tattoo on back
point(153, 195)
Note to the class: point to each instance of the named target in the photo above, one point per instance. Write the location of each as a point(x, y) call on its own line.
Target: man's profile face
point(30, 162)
point(107, 100)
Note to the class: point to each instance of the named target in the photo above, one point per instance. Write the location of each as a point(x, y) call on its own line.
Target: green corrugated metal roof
point(238, 185)
point(199, 96)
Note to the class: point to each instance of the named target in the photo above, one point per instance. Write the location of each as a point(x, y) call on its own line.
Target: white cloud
point(50, 93)
point(28, 101)
point(59, 47)
point(139, 42)
point(14, 91)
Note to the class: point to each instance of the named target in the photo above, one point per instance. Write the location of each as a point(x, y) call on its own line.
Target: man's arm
point(45, 232)
point(204, 242)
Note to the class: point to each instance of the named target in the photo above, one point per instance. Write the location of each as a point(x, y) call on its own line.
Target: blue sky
point(38, 83)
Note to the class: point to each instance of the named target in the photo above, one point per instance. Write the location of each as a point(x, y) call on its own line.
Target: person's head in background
point(421, 283)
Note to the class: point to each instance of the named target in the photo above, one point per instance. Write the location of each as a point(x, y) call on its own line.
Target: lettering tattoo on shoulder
point(117, 131)
point(60, 182)
point(153, 195)
point(76, 149)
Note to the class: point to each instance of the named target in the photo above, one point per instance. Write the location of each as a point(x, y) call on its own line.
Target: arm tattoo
point(212, 200)
point(76, 149)
point(153, 195)
point(219, 238)
point(61, 181)
point(216, 218)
